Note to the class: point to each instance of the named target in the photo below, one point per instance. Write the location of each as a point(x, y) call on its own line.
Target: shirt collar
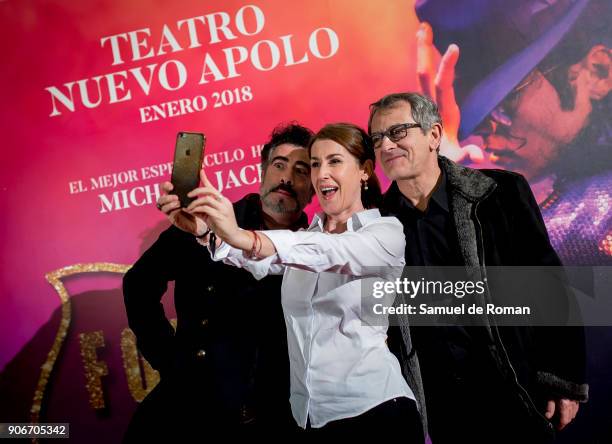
point(439, 196)
point(357, 220)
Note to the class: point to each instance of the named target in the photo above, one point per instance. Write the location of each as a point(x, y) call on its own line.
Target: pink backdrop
point(50, 44)
point(312, 61)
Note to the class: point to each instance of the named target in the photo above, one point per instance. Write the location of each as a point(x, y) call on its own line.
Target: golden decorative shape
point(55, 279)
point(94, 369)
point(131, 364)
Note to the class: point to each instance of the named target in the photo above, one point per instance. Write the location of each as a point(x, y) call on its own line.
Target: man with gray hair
point(482, 383)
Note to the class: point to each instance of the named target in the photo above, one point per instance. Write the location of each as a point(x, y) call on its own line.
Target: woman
point(343, 376)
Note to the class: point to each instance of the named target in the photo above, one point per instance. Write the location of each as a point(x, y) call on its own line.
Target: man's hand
point(565, 410)
point(436, 81)
point(169, 205)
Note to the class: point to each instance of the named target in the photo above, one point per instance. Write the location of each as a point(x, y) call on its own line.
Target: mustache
point(284, 187)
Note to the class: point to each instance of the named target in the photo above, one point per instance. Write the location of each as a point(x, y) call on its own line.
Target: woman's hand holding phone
point(218, 211)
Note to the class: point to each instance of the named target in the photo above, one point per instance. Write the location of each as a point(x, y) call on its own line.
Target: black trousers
point(174, 413)
point(398, 416)
point(471, 402)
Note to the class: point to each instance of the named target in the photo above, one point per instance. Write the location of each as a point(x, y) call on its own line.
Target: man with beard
point(226, 367)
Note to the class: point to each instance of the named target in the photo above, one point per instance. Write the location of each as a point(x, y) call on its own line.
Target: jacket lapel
point(467, 188)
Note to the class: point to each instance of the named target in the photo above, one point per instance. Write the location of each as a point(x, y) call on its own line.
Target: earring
point(364, 184)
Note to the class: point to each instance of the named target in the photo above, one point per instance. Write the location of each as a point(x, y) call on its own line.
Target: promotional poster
point(95, 93)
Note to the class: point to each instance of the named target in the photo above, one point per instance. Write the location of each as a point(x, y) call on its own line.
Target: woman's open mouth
point(328, 191)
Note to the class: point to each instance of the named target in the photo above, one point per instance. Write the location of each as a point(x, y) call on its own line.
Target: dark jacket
point(229, 353)
point(498, 222)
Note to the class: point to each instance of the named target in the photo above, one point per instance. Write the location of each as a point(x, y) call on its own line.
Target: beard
point(280, 204)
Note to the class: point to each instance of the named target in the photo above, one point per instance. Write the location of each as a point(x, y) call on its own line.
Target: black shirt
point(446, 354)
point(431, 238)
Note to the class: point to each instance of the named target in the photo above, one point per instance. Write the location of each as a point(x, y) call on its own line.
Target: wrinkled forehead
point(399, 112)
point(293, 153)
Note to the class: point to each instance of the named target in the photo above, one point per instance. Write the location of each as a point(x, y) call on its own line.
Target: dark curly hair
point(292, 133)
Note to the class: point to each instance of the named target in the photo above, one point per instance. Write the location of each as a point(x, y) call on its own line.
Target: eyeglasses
point(395, 133)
